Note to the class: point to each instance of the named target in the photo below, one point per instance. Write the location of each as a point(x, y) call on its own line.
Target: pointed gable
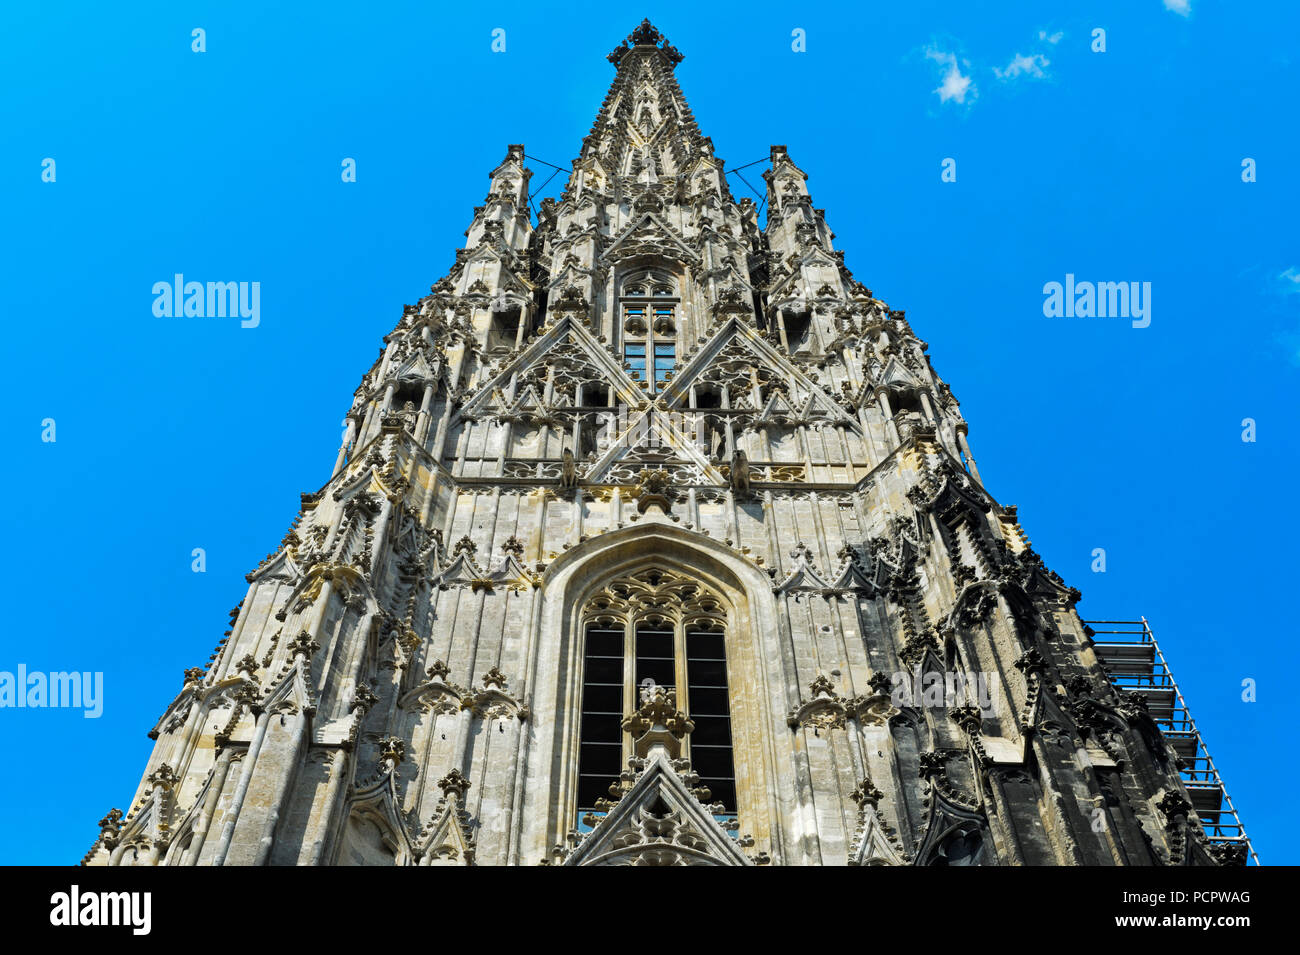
point(576, 355)
point(896, 376)
point(650, 235)
point(659, 821)
point(727, 359)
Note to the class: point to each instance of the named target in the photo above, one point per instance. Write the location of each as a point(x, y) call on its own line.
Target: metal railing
point(1132, 658)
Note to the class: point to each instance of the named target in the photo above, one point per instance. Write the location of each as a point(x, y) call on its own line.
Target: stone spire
point(641, 423)
point(645, 128)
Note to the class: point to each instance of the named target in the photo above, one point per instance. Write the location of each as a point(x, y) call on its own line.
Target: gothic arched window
point(648, 303)
point(654, 626)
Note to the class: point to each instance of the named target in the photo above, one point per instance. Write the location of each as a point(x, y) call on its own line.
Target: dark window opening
point(706, 685)
point(586, 439)
point(600, 752)
point(655, 660)
point(710, 437)
point(708, 398)
point(408, 391)
point(901, 401)
point(504, 330)
point(798, 325)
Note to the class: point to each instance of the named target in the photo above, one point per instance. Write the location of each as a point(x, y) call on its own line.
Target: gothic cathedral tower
point(655, 539)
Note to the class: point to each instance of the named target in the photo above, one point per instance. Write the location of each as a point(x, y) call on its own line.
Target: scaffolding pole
point(1135, 664)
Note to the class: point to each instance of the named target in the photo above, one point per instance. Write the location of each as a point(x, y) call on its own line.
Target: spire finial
point(645, 35)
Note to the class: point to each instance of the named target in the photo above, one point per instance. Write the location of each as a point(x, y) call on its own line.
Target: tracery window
point(648, 303)
point(654, 626)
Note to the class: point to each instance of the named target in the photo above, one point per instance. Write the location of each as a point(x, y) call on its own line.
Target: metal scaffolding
point(1132, 658)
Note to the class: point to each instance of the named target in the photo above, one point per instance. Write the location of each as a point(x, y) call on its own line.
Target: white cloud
point(1181, 7)
point(1291, 342)
point(1053, 38)
point(954, 85)
point(1031, 65)
point(1288, 284)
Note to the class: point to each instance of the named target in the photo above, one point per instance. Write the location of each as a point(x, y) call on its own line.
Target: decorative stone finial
point(363, 698)
point(164, 776)
point(658, 725)
point(437, 670)
point(867, 793)
point(454, 782)
point(392, 750)
point(645, 35)
point(823, 687)
point(303, 646)
point(110, 828)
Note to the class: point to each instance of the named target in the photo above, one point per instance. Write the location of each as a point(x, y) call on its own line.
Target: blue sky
point(174, 434)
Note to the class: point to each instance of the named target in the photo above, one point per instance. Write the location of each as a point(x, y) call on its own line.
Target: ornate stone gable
point(658, 822)
point(651, 238)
